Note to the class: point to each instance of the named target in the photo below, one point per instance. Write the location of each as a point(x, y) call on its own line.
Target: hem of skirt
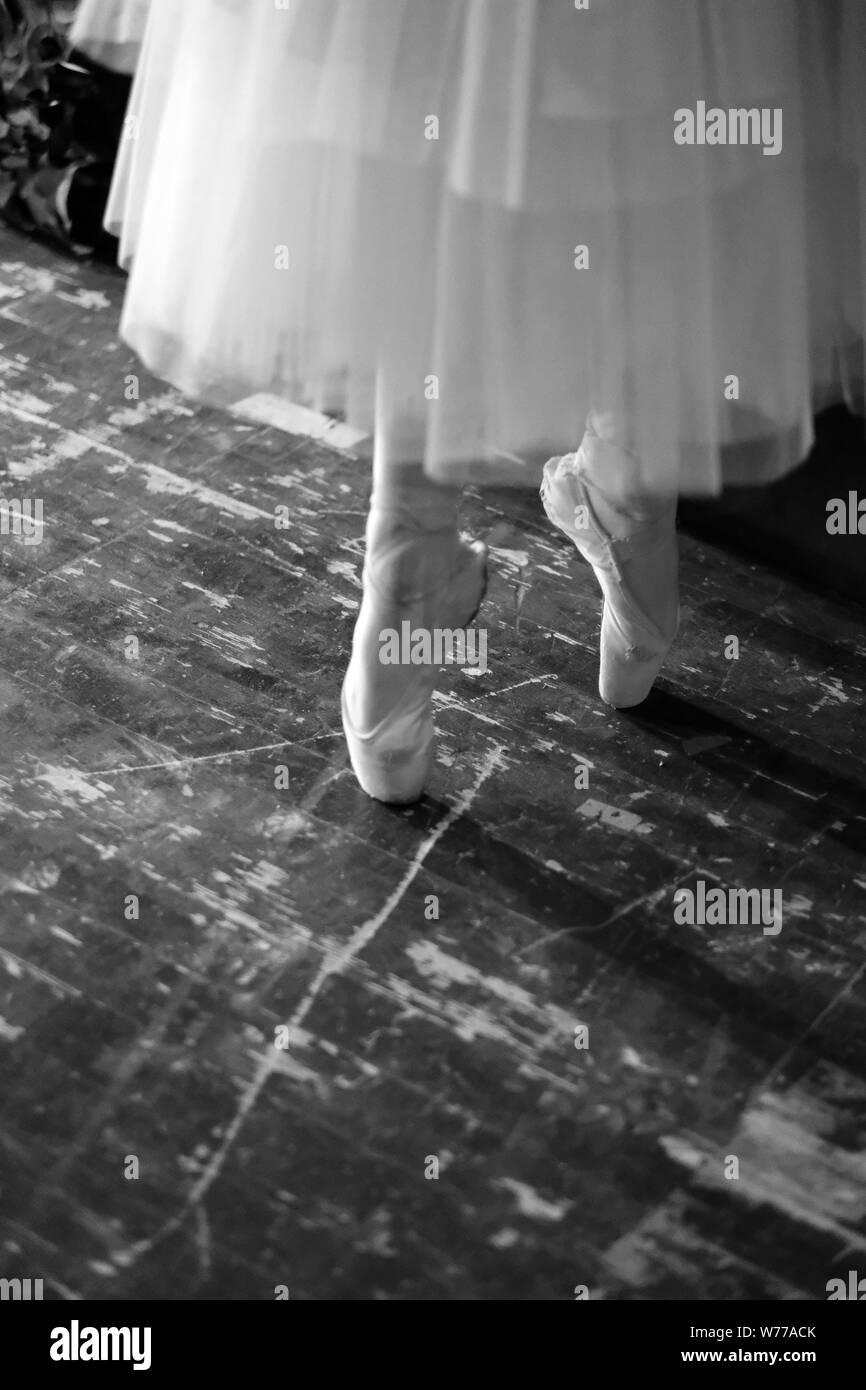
point(704, 470)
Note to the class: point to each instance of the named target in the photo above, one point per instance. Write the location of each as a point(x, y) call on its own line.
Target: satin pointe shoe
point(631, 544)
point(434, 580)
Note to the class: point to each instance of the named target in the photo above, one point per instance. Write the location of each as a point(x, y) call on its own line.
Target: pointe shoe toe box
point(393, 761)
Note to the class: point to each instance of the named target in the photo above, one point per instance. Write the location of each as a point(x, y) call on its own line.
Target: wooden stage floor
point(163, 652)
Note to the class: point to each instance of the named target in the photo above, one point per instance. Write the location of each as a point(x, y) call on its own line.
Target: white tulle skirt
point(111, 31)
point(483, 205)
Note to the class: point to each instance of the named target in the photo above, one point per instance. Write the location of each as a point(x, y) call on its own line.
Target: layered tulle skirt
point(486, 217)
point(111, 31)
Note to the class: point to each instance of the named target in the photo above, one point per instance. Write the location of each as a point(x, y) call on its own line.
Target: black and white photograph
point(433, 576)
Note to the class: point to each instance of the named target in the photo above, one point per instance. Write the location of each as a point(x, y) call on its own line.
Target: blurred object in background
point(64, 85)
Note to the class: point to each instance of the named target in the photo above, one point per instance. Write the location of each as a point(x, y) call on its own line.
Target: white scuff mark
point(448, 700)
point(533, 680)
point(172, 526)
point(444, 971)
point(266, 409)
point(504, 1239)
point(35, 877)
point(105, 852)
point(832, 687)
point(181, 833)
point(681, 1150)
point(168, 403)
point(516, 559)
point(63, 935)
point(798, 791)
point(265, 876)
point(377, 1235)
point(68, 781)
point(202, 758)
point(345, 570)
point(531, 1205)
point(9, 1032)
point(798, 906)
point(86, 299)
point(32, 278)
point(793, 1158)
point(613, 816)
point(236, 648)
point(717, 820)
point(833, 692)
point(229, 914)
point(19, 968)
point(163, 481)
point(464, 1021)
point(218, 600)
point(561, 637)
point(289, 1065)
point(633, 1059)
point(65, 450)
point(25, 401)
point(294, 481)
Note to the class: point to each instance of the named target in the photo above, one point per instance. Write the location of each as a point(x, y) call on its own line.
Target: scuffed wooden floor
point(409, 1038)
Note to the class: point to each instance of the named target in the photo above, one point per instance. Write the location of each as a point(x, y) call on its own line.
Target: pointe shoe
point(393, 759)
point(632, 548)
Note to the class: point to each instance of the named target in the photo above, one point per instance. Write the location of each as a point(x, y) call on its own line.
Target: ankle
point(403, 495)
point(614, 474)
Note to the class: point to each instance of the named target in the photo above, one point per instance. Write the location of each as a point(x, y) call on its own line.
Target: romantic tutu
point(509, 212)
